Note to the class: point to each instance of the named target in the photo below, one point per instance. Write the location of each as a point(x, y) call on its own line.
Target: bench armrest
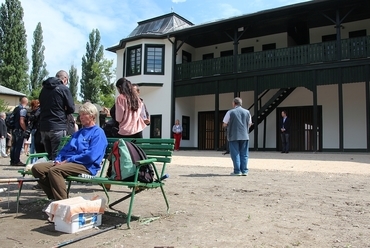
point(146, 161)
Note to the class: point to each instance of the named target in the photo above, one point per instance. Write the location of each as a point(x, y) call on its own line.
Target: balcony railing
point(354, 48)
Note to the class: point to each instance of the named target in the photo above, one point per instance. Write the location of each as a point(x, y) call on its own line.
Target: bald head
point(24, 101)
point(63, 75)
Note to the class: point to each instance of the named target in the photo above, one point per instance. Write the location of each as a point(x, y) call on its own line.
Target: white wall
point(257, 42)
point(157, 99)
point(327, 96)
point(354, 116)
point(317, 33)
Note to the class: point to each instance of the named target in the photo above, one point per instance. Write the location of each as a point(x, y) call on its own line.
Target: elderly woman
point(81, 155)
point(128, 111)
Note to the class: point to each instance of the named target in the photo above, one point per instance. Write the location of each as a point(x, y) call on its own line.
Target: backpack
point(122, 165)
point(10, 119)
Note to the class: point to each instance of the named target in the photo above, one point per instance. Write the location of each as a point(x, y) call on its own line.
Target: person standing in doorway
point(177, 134)
point(238, 136)
point(285, 131)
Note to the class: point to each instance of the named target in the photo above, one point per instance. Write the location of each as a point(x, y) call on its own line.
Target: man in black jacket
point(285, 131)
point(56, 102)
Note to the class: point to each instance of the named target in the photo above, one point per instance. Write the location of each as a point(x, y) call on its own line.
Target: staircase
point(266, 109)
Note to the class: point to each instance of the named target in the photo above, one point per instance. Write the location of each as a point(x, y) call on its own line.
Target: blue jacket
point(86, 147)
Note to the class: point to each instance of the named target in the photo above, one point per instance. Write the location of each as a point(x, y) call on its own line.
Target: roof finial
point(172, 9)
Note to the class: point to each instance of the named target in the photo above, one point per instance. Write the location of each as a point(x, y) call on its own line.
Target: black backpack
point(10, 119)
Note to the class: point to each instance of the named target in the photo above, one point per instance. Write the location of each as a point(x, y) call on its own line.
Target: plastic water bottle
point(3, 190)
point(165, 176)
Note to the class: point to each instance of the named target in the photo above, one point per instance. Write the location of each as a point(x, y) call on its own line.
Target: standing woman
point(177, 134)
point(128, 111)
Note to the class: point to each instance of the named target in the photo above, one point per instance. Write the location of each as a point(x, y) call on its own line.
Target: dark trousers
point(17, 143)
point(285, 142)
point(51, 178)
point(51, 141)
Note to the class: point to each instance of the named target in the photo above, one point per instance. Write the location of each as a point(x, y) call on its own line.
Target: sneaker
point(6, 156)
point(235, 174)
point(245, 174)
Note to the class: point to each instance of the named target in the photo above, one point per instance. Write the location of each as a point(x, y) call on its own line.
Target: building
point(311, 59)
point(10, 97)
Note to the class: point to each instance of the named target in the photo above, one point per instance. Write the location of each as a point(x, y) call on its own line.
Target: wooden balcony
point(326, 52)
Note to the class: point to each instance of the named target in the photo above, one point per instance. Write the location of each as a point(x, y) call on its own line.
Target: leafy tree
point(105, 74)
point(90, 85)
point(73, 81)
point(13, 46)
point(4, 106)
point(38, 72)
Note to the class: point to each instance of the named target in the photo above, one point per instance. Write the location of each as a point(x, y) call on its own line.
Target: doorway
point(301, 133)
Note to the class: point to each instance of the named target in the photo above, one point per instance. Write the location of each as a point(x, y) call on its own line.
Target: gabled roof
point(6, 91)
point(155, 28)
point(161, 25)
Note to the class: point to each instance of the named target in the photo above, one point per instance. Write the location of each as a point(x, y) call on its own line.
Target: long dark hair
point(124, 87)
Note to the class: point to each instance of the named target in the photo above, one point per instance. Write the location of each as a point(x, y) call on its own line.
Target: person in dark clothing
point(56, 102)
point(285, 131)
point(3, 135)
point(20, 118)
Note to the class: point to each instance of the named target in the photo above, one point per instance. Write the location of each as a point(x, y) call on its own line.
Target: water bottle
point(165, 176)
point(3, 190)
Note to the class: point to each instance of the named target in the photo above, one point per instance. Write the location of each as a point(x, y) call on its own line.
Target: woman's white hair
point(89, 108)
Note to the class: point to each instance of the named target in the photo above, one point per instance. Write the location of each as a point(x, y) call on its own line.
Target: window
point(134, 61)
point(185, 127)
point(247, 50)
point(226, 53)
point(270, 46)
point(186, 57)
point(154, 59)
point(358, 33)
point(208, 56)
point(329, 37)
point(155, 126)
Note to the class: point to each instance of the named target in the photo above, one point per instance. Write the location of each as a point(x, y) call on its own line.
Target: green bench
point(159, 152)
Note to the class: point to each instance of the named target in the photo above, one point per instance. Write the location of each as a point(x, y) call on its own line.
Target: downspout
point(172, 115)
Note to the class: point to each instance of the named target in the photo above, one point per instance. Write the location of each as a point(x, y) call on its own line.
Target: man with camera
point(19, 132)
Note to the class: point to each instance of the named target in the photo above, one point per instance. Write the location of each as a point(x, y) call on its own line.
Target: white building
point(310, 59)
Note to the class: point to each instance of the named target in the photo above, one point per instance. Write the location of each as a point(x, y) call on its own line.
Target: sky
point(67, 24)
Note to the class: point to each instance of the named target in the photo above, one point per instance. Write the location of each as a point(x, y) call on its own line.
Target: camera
point(27, 134)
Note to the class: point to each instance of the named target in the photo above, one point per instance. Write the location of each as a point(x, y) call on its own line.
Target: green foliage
point(105, 73)
point(4, 106)
point(35, 94)
point(90, 84)
point(73, 81)
point(38, 71)
point(13, 47)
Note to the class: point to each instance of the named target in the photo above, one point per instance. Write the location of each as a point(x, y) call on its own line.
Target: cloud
point(178, 1)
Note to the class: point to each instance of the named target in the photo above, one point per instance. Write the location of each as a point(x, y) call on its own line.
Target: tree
point(13, 46)
point(90, 86)
point(4, 106)
point(105, 74)
point(38, 72)
point(73, 81)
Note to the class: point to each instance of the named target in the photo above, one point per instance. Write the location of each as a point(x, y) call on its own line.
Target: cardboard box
point(79, 223)
point(76, 214)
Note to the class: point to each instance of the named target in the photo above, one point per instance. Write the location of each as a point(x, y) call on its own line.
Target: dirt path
point(288, 200)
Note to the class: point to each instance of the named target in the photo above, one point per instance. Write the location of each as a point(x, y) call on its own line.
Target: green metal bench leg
point(165, 199)
point(68, 188)
point(130, 208)
point(20, 185)
point(106, 192)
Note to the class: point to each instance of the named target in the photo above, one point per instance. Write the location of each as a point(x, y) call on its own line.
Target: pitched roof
point(6, 91)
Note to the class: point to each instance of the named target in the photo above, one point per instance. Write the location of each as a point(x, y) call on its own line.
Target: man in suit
point(285, 131)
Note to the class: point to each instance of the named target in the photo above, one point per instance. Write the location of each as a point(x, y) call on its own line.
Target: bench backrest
point(160, 149)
